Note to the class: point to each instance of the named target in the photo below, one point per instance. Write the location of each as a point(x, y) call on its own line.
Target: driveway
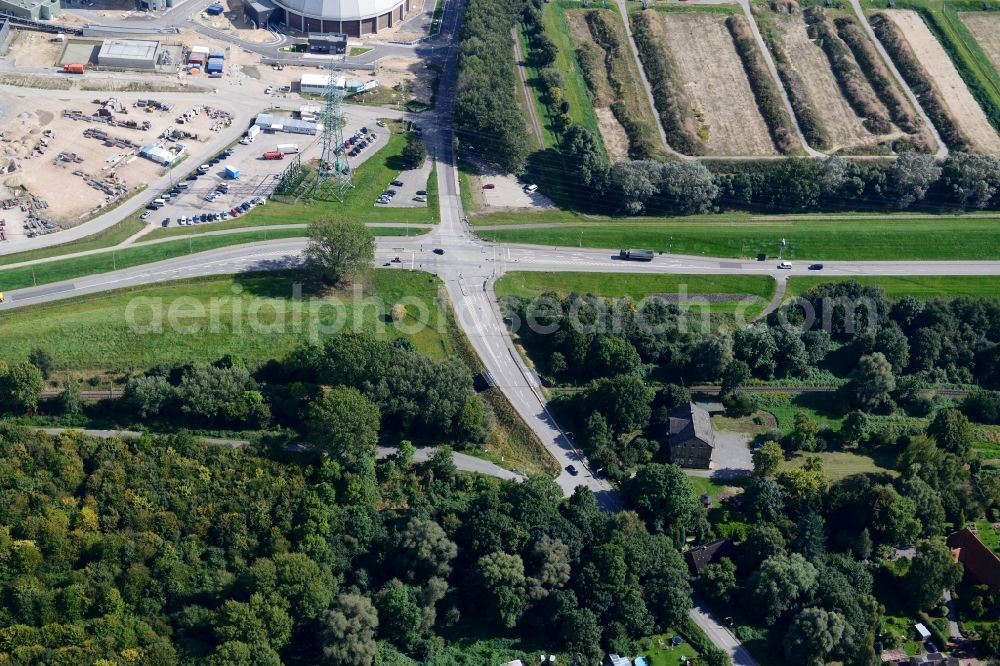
point(732, 455)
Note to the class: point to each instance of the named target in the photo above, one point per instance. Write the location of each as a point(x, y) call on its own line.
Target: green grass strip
point(917, 286)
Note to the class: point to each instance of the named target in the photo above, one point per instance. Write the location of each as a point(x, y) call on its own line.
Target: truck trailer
point(288, 148)
point(74, 69)
point(636, 255)
point(273, 155)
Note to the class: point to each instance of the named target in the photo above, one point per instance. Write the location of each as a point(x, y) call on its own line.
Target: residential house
point(690, 438)
point(700, 557)
point(981, 564)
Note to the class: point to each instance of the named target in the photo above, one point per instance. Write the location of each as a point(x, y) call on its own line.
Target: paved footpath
point(712, 625)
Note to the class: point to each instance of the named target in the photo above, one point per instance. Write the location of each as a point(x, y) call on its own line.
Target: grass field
point(370, 180)
point(667, 655)
point(838, 465)
point(918, 286)
point(107, 238)
point(785, 405)
point(817, 238)
point(531, 284)
point(136, 255)
point(250, 316)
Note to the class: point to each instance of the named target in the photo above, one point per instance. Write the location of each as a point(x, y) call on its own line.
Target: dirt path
point(529, 99)
point(942, 151)
point(953, 91)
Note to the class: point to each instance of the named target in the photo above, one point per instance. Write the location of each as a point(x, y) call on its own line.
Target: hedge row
point(918, 80)
point(809, 121)
point(700, 642)
point(769, 101)
point(674, 108)
point(878, 74)
point(851, 79)
point(641, 137)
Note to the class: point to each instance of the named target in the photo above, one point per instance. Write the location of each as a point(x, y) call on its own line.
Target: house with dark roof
point(700, 557)
point(981, 564)
point(690, 438)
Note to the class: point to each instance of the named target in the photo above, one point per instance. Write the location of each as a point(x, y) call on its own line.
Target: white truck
point(250, 135)
point(288, 148)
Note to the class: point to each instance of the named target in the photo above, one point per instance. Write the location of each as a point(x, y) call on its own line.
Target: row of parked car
point(235, 211)
point(361, 140)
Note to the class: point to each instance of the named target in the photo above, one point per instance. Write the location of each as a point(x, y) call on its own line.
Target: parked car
point(489, 186)
point(422, 193)
point(380, 123)
point(815, 267)
point(234, 212)
point(397, 183)
point(785, 265)
point(530, 189)
point(166, 222)
point(572, 469)
point(144, 215)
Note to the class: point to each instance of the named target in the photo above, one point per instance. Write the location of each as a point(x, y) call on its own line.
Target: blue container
point(232, 172)
point(217, 54)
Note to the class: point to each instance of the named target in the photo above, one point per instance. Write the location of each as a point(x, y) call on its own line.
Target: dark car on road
point(815, 267)
point(397, 183)
point(572, 469)
point(438, 250)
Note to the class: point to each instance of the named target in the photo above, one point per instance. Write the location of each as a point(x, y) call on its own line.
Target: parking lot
point(413, 181)
point(258, 177)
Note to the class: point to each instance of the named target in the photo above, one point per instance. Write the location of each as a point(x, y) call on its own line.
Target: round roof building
point(351, 17)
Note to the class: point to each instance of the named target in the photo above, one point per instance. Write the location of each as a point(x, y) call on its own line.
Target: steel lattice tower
point(334, 173)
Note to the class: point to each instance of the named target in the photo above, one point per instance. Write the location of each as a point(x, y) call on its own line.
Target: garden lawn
point(668, 655)
point(917, 286)
point(251, 316)
point(784, 406)
point(838, 465)
point(370, 180)
point(816, 238)
point(107, 238)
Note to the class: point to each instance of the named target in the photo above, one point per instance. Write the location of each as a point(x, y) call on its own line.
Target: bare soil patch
point(34, 49)
point(713, 74)
point(955, 96)
point(985, 27)
point(612, 133)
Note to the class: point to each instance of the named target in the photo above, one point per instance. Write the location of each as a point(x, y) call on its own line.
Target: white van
point(531, 189)
point(160, 201)
point(785, 265)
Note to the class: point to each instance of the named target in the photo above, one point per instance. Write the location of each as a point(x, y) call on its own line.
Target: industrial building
point(33, 10)
point(162, 155)
point(260, 12)
point(335, 43)
point(270, 123)
point(315, 84)
point(128, 54)
point(353, 18)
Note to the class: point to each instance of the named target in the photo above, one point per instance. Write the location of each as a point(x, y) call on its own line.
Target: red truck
point(273, 155)
point(73, 69)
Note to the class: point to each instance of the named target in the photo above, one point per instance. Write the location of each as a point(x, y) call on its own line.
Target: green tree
point(614, 356)
point(989, 640)
point(952, 432)
point(767, 459)
point(348, 632)
point(346, 424)
point(414, 152)
point(804, 431)
point(736, 374)
point(763, 541)
point(718, 580)
point(398, 612)
point(306, 587)
point(582, 152)
point(424, 550)
point(21, 387)
point(501, 578)
point(71, 397)
point(41, 359)
point(582, 637)
point(624, 401)
point(339, 250)
point(779, 584)
point(911, 176)
point(932, 570)
point(872, 382)
point(661, 494)
point(813, 635)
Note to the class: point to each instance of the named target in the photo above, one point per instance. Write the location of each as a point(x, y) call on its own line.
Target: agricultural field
point(710, 95)
point(831, 120)
point(958, 102)
point(626, 122)
point(985, 28)
point(253, 319)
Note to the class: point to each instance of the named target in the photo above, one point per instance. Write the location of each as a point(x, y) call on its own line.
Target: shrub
point(849, 76)
point(768, 97)
point(878, 75)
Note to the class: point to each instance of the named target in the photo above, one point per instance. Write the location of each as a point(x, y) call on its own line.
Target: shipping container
point(74, 69)
point(216, 54)
point(232, 172)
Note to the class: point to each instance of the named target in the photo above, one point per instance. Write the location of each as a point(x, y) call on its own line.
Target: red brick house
point(981, 564)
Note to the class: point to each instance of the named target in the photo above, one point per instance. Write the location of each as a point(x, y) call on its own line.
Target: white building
point(128, 53)
point(315, 84)
point(354, 18)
